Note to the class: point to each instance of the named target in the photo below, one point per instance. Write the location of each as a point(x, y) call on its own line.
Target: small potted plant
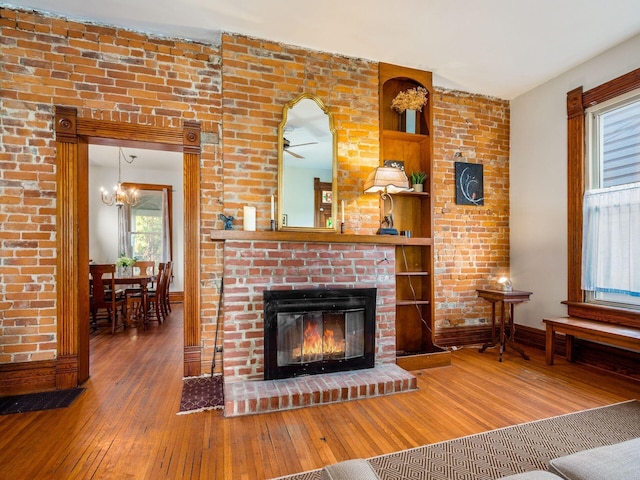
point(125, 263)
point(417, 181)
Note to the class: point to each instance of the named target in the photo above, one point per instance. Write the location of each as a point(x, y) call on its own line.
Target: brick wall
point(237, 89)
point(106, 73)
point(250, 268)
point(259, 78)
point(471, 242)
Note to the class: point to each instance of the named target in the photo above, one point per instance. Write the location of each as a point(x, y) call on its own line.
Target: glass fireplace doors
point(318, 331)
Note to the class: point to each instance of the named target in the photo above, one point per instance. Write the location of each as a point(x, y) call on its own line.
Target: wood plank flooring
point(124, 426)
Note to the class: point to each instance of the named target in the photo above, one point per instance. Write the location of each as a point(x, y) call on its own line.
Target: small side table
point(503, 297)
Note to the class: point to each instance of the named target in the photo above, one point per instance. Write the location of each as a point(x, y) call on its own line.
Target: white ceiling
point(501, 48)
point(145, 160)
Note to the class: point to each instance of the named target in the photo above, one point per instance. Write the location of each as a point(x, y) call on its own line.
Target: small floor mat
point(32, 402)
point(202, 393)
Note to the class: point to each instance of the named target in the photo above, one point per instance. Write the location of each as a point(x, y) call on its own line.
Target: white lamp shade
point(386, 179)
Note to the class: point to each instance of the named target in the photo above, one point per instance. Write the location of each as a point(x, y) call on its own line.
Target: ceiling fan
point(287, 146)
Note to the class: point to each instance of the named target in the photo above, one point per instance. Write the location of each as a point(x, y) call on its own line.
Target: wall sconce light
point(386, 180)
point(505, 284)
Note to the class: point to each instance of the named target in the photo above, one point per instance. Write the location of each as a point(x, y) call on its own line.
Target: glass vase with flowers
point(124, 265)
point(407, 103)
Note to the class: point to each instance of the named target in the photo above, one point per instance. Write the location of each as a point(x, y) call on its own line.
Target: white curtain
point(611, 240)
point(166, 231)
point(124, 230)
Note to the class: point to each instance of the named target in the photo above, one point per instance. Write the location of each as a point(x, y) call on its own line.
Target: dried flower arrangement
point(412, 99)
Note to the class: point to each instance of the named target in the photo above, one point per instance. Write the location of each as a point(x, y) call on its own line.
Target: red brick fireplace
point(253, 266)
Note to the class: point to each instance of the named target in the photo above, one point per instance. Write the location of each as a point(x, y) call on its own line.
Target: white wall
point(299, 195)
point(103, 220)
point(538, 171)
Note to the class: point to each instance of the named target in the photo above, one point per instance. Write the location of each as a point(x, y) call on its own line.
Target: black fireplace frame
point(283, 301)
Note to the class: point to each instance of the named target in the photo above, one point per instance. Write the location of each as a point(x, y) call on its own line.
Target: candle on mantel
point(249, 219)
point(273, 209)
point(342, 205)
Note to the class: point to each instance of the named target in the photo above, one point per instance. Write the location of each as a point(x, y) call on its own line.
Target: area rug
point(202, 393)
point(509, 450)
point(32, 402)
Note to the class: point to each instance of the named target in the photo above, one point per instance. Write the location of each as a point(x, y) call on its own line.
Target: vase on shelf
point(408, 121)
point(418, 187)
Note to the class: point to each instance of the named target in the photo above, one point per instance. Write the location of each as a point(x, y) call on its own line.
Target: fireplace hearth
point(314, 331)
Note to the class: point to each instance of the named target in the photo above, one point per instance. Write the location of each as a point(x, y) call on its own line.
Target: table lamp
point(505, 284)
point(386, 180)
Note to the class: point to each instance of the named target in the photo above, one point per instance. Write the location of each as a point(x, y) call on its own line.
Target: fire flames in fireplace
point(318, 344)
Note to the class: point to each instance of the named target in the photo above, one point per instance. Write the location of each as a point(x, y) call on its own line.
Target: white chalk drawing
point(469, 184)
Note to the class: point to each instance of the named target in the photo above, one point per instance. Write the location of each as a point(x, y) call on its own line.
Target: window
point(614, 146)
point(611, 203)
point(149, 223)
point(146, 226)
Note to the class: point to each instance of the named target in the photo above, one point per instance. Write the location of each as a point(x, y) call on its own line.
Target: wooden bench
point(604, 332)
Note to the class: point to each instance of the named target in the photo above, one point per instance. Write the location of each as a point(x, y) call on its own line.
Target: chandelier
point(121, 196)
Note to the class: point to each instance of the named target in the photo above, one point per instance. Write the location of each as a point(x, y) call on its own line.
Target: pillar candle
point(249, 219)
point(273, 209)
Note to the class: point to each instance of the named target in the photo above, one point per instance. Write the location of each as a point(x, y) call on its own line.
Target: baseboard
point(27, 377)
point(176, 297)
point(534, 337)
point(603, 357)
point(459, 336)
point(424, 360)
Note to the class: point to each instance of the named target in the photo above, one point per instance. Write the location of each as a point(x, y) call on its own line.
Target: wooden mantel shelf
point(317, 237)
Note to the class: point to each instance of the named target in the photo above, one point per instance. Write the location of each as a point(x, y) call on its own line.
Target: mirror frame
point(334, 166)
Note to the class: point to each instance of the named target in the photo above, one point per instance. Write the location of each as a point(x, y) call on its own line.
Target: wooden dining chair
point(136, 297)
point(141, 267)
point(104, 294)
point(167, 302)
point(144, 267)
point(135, 302)
point(156, 296)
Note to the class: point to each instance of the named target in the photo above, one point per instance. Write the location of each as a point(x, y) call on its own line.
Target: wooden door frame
point(320, 218)
point(73, 135)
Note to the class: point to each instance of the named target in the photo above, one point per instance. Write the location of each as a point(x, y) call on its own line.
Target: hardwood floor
point(124, 426)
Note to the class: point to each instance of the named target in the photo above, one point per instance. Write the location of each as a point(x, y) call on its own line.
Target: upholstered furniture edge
point(620, 461)
point(349, 470)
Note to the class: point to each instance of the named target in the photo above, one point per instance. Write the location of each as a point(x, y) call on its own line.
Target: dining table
point(142, 280)
point(130, 279)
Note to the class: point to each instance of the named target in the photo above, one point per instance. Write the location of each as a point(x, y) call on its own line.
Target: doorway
point(73, 136)
point(144, 221)
point(148, 174)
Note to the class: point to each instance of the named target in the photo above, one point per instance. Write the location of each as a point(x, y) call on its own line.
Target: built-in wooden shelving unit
point(413, 212)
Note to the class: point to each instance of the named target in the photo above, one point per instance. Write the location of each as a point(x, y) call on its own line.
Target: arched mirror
point(307, 153)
